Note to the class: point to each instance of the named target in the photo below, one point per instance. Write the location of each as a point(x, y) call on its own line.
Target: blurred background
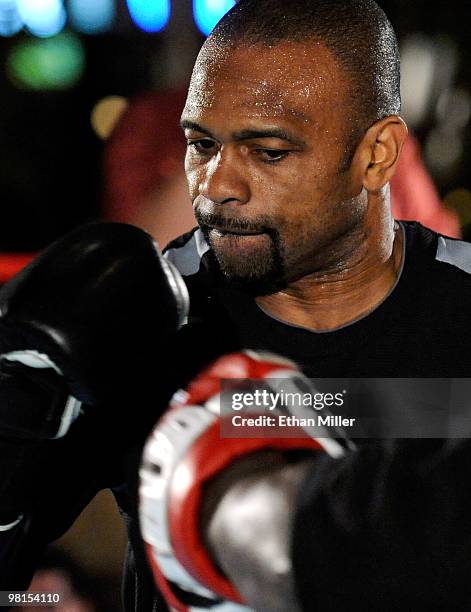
point(91, 93)
point(68, 68)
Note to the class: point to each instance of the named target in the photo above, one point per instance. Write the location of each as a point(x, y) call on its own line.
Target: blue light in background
point(150, 15)
point(10, 20)
point(92, 16)
point(42, 17)
point(208, 12)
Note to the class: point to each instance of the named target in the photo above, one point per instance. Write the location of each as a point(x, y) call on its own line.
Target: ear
point(379, 151)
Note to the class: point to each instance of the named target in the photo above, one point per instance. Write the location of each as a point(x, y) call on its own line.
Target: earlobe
point(383, 144)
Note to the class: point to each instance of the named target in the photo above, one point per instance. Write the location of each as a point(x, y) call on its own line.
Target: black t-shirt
point(388, 526)
point(419, 330)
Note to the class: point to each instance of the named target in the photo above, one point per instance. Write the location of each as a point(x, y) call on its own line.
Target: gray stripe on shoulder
point(187, 258)
point(454, 252)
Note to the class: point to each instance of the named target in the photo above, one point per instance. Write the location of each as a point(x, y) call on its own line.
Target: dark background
point(50, 171)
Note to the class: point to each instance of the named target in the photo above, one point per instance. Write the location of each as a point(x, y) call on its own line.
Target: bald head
point(357, 32)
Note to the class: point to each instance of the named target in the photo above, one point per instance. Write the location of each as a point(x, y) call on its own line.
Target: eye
point(204, 146)
point(272, 155)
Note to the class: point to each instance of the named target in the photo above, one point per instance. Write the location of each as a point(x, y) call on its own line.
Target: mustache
point(207, 219)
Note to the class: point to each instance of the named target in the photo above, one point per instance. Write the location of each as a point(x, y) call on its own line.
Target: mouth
point(226, 231)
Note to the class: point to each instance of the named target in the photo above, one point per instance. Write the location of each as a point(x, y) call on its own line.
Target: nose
point(224, 180)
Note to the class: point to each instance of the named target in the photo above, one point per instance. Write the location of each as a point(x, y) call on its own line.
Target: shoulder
point(454, 253)
point(437, 299)
point(190, 254)
point(444, 257)
point(187, 252)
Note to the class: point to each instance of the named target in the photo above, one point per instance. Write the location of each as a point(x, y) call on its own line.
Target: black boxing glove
point(77, 326)
point(93, 303)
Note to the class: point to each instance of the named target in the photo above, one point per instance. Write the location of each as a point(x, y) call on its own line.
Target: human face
point(267, 130)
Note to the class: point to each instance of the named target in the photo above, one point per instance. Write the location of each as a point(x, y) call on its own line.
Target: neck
point(331, 298)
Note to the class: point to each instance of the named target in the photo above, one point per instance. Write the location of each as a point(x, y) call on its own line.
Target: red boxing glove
point(183, 453)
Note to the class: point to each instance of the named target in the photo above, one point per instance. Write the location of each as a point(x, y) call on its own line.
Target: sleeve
point(17, 559)
point(22, 545)
point(68, 474)
point(386, 528)
point(138, 588)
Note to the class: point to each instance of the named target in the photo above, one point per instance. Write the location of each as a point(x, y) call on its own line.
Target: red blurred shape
point(12, 263)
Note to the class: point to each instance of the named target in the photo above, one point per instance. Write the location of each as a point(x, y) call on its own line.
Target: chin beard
point(255, 286)
point(257, 276)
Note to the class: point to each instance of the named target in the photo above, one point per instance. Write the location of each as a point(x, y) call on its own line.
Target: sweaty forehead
point(286, 79)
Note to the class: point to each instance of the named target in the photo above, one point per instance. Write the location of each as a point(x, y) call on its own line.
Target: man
point(293, 205)
point(293, 135)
